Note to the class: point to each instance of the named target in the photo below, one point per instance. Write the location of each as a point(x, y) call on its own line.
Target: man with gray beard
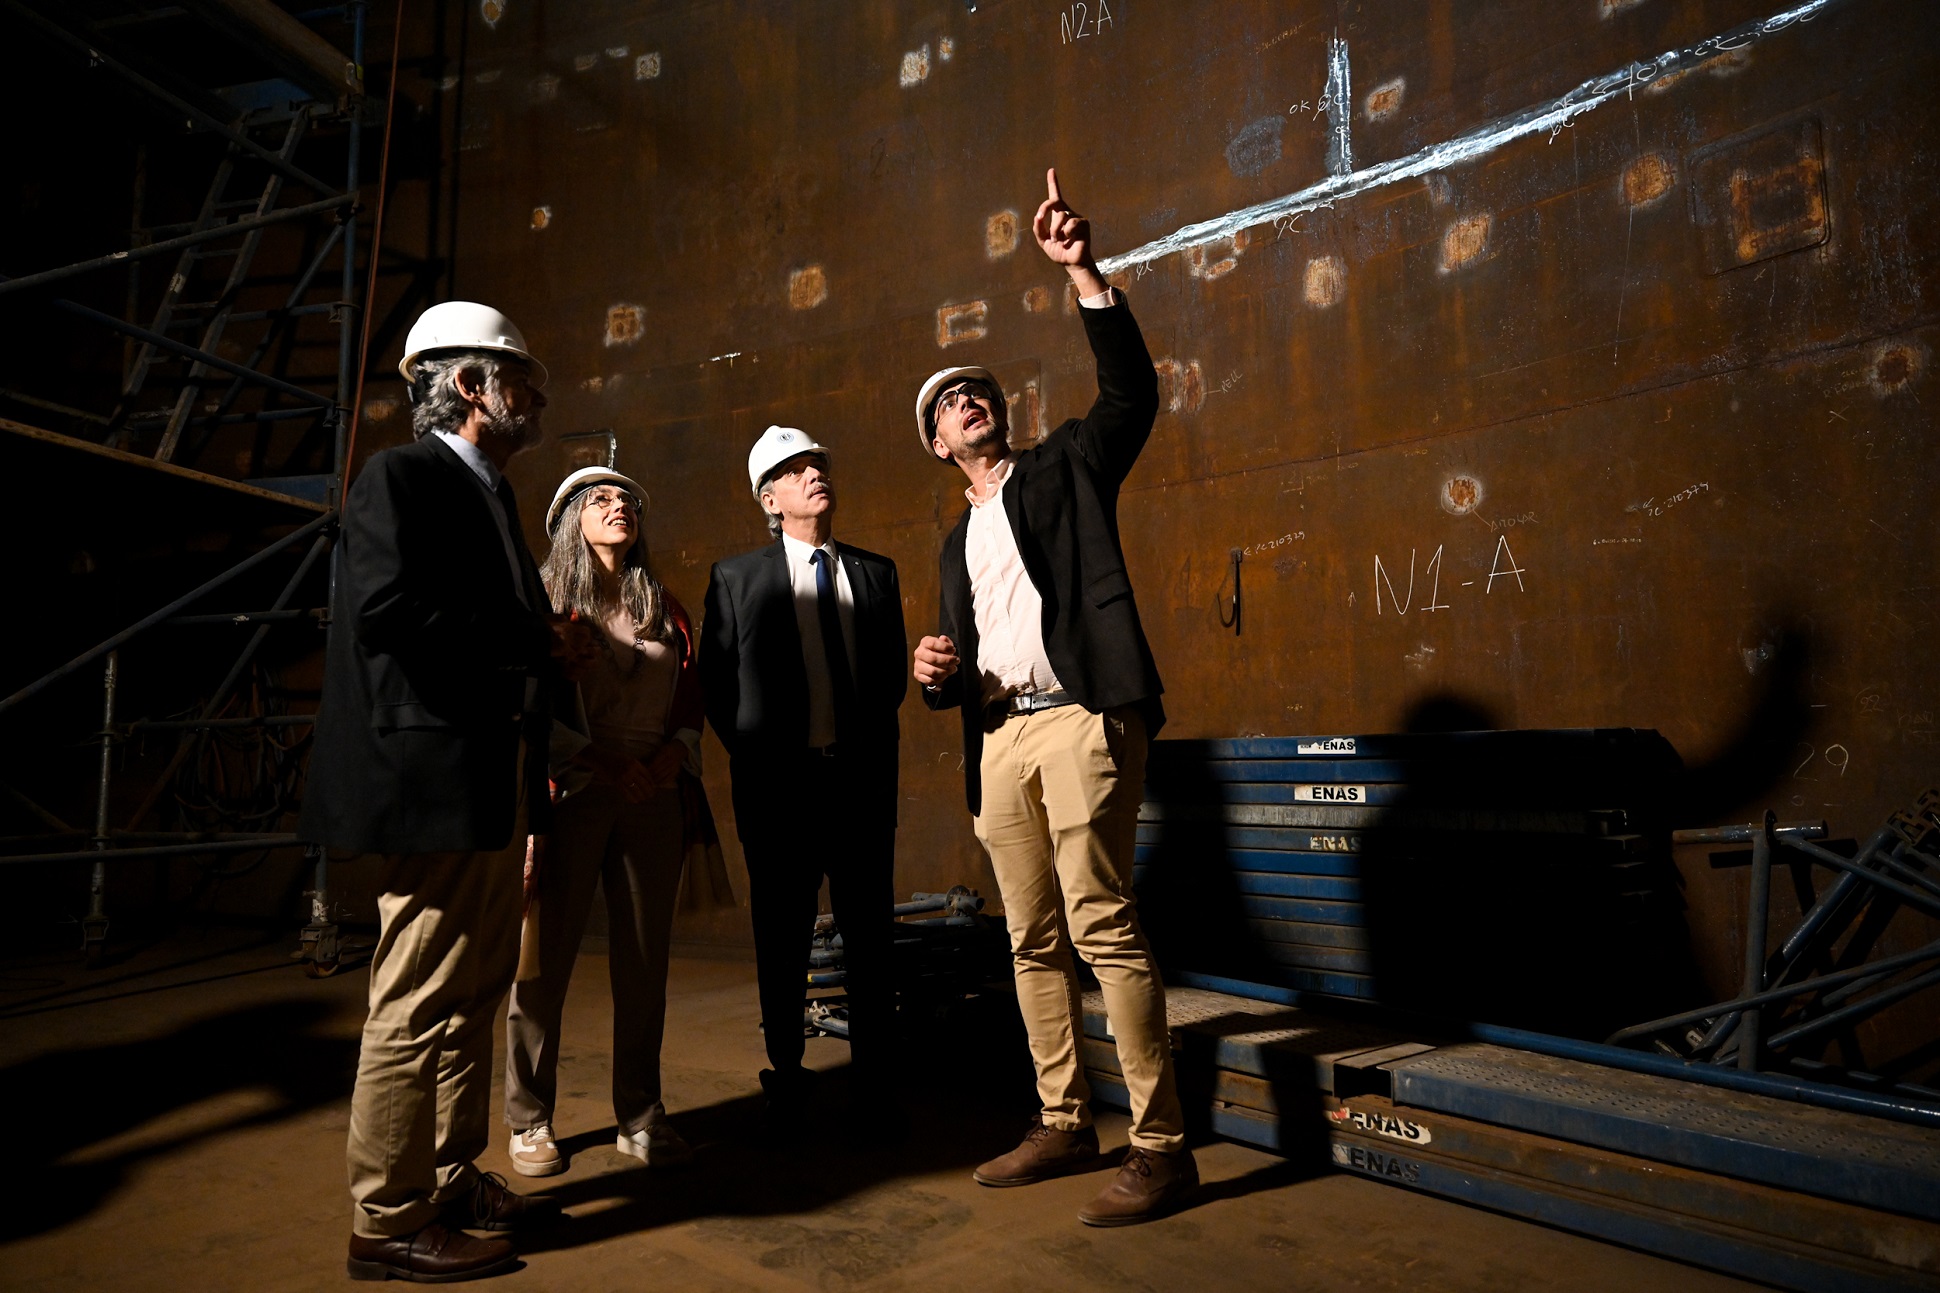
point(431, 747)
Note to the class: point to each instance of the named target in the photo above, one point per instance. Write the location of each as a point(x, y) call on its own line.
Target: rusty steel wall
point(1569, 358)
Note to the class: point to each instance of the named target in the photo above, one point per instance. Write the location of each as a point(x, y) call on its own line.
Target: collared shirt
point(488, 476)
point(1009, 611)
point(808, 618)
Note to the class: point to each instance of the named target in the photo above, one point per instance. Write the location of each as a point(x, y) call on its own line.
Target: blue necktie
point(834, 653)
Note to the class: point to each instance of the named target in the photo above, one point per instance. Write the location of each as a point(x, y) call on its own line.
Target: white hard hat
point(466, 325)
point(775, 447)
point(585, 478)
point(937, 381)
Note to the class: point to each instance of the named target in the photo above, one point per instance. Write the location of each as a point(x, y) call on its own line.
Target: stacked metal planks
point(1798, 1197)
point(1429, 871)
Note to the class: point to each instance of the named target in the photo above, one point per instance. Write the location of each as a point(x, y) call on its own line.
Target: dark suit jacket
point(424, 689)
point(1062, 503)
point(757, 686)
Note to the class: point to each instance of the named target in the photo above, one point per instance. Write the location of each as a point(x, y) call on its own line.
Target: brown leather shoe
point(433, 1255)
point(1047, 1151)
point(1149, 1185)
point(489, 1205)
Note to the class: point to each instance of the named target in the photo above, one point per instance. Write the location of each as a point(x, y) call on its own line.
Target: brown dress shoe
point(433, 1255)
point(1149, 1185)
point(1047, 1151)
point(489, 1205)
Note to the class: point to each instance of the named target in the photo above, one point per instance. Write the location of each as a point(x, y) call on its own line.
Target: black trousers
point(800, 823)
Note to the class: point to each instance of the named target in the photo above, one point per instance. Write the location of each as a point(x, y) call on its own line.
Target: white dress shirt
point(1007, 607)
point(1011, 659)
point(808, 618)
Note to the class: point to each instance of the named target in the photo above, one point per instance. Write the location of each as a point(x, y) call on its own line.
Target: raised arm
point(1112, 434)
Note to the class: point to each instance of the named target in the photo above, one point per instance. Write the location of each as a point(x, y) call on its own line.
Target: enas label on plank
point(1375, 1163)
point(1382, 1124)
point(1327, 794)
point(1331, 745)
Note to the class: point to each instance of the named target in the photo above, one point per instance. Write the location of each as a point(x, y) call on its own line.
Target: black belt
point(1029, 702)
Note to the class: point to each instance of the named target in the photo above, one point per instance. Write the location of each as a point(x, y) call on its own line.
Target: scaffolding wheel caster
point(321, 969)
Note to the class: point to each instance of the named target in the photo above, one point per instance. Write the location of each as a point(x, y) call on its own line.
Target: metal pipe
point(1747, 833)
point(1913, 896)
point(156, 851)
point(349, 318)
point(1757, 918)
point(1858, 1010)
point(174, 347)
point(291, 306)
point(150, 621)
point(1773, 995)
point(113, 259)
point(97, 55)
point(246, 617)
point(197, 724)
point(94, 928)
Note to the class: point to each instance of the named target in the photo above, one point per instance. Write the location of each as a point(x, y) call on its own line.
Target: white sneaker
point(534, 1154)
point(657, 1146)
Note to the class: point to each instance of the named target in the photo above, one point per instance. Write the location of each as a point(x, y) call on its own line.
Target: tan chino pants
point(1061, 790)
point(447, 948)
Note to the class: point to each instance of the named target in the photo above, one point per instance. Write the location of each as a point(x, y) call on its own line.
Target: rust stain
point(1037, 300)
point(1893, 368)
point(625, 324)
point(1023, 411)
point(1778, 210)
point(1000, 235)
point(594, 383)
point(1466, 241)
point(1611, 8)
point(808, 287)
point(379, 410)
point(541, 217)
point(585, 62)
point(1326, 281)
point(1460, 495)
point(491, 11)
point(1384, 100)
point(1648, 178)
point(915, 68)
point(646, 67)
point(945, 49)
point(965, 322)
point(1182, 386)
point(1201, 264)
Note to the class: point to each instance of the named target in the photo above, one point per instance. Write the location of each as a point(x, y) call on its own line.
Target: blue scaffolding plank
point(1168, 768)
point(1336, 888)
point(1286, 863)
point(1797, 1146)
point(1286, 839)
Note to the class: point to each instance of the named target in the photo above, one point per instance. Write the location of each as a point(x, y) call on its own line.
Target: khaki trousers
point(635, 850)
point(447, 948)
point(1061, 790)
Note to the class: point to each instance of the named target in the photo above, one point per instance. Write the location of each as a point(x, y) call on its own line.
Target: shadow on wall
point(1519, 878)
point(83, 1116)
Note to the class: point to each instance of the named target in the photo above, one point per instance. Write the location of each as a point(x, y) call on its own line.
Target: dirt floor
point(178, 1120)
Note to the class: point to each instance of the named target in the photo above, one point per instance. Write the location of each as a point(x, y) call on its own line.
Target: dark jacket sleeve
point(719, 663)
point(1110, 437)
point(902, 635)
point(403, 608)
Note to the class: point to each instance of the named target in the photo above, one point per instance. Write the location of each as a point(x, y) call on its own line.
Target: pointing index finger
point(1051, 183)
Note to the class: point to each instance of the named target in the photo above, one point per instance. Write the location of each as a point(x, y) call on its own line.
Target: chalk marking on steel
point(1553, 117)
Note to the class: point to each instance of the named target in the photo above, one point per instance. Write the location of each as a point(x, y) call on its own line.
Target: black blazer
point(424, 688)
point(1062, 503)
point(757, 687)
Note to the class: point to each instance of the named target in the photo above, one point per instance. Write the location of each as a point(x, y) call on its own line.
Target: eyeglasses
point(961, 394)
point(605, 498)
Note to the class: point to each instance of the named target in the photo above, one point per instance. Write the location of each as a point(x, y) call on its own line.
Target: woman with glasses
point(630, 809)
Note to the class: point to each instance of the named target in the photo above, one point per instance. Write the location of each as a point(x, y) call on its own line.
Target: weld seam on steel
point(1553, 116)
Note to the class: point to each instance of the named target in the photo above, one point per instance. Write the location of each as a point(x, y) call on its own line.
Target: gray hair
point(774, 522)
point(437, 404)
point(572, 578)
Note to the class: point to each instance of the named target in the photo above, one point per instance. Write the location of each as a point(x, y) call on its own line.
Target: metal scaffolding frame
point(331, 90)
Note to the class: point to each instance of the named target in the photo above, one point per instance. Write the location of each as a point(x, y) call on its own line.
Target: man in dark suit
point(430, 754)
point(802, 663)
point(1041, 647)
